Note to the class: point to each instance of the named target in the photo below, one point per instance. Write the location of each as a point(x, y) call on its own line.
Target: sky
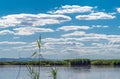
point(69, 28)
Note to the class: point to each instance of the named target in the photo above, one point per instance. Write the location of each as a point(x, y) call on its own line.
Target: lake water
point(10, 72)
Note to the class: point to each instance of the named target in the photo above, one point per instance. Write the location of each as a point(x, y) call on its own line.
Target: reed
point(33, 70)
point(54, 73)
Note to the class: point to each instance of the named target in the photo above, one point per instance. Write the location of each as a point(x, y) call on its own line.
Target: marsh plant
point(54, 73)
point(34, 70)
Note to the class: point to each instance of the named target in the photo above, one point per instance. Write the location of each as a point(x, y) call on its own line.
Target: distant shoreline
point(68, 62)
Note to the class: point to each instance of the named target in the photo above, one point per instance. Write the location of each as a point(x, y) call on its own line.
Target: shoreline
point(68, 62)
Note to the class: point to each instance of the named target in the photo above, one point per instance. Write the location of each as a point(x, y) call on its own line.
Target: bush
point(78, 62)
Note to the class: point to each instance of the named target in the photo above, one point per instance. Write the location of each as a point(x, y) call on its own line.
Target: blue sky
point(69, 28)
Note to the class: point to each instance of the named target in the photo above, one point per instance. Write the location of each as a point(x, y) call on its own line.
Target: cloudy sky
point(69, 28)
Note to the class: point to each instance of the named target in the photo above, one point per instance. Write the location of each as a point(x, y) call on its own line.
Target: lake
point(93, 72)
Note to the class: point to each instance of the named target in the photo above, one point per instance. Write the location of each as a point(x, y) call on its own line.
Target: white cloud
point(69, 45)
point(78, 42)
point(102, 39)
point(95, 16)
point(86, 36)
point(68, 28)
point(7, 42)
point(99, 26)
point(73, 27)
point(27, 47)
point(59, 44)
point(4, 32)
point(32, 20)
point(76, 33)
point(80, 46)
point(118, 9)
point(30, 30)
point(83, 36)
point(92, 37)
point(72, 9)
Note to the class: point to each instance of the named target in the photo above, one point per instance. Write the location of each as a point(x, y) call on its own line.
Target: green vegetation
point(106, 62)
point(68, 62)
point(34, 72)
point(78, 62)
point(54, 73)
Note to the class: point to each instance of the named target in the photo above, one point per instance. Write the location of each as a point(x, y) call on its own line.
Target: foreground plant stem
point(34, 70)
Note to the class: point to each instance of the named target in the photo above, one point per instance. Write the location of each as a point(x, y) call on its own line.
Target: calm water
point(10, 72)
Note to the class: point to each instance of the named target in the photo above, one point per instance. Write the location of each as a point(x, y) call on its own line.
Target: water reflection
point(81, 69)
point(82, 72)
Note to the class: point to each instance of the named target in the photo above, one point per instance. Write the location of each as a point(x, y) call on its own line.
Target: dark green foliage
point(4, 63)
point(78, 62)
point(116, 63)
point(105, 62)
point(69, 62)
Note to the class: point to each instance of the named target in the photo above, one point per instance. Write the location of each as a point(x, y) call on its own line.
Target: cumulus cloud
point(93, 37)
point(7, 42)
point(4, 32)
point(72, 9)
point(32, 20)
point(72, 27)
point(102, 40)
point(118, 9)
point(27, 47)
point(83, 45)
point(95, 16)
point(68, 28)
point(30, 30)
point(25, 31)
point(77, 42)
point(83, 36)
point(60, 43)
point(86, 36)
point(99, 26)
point(76, 33)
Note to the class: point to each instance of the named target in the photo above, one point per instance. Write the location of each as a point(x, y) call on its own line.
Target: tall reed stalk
point(34, 71)
point(54, 73)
